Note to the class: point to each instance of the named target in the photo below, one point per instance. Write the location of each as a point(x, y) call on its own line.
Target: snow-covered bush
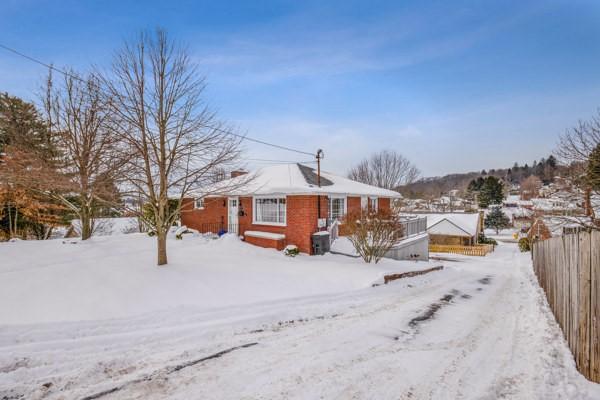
point(482, 239)
point(180, 231)
point(291, 250)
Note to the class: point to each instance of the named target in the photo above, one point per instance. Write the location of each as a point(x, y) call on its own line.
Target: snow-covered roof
point(512, 199)
point(453, 224)
point(292, 179)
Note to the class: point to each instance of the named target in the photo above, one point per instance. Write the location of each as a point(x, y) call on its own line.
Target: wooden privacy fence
point(568, 269)
point(476, 250)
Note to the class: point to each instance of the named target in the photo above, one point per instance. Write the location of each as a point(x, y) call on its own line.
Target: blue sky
point(453, 85)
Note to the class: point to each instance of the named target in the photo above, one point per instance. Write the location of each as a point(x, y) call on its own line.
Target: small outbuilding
point(459, 229)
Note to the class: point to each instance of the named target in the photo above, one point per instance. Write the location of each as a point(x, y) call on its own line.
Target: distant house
point(551, 226)
point(453, 228)
point(280, 205)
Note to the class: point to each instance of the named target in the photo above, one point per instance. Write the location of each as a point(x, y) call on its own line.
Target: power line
point(278, 161)
point(260, 141)
point(35, 60)
point(67, 74)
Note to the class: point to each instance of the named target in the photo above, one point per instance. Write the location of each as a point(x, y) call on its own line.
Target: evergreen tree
point(496, 219)
point(491, 192)
point(593, 169)
point(475, 185)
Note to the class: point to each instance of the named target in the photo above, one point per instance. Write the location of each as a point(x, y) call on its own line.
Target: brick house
point(280, 205)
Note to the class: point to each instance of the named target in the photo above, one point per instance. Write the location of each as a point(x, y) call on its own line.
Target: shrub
point(482, 239)
point(373, 233)
point(291, 250)
point(524, 244)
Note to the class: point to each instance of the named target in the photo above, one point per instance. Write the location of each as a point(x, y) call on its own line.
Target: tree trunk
point(16, 220)
point(161, 240)
point(10, 225)
point(86, 223)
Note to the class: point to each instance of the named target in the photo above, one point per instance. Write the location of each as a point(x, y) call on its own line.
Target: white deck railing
point(333, 230)
point(414, 227)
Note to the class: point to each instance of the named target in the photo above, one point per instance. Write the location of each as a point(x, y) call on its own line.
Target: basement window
point(269, 210)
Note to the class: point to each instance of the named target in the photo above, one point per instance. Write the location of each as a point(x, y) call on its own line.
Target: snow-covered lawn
point(114, 277)
point(228, 321)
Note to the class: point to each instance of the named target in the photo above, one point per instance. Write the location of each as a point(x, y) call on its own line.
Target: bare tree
point(373, 233)
point(386, 169)
point(175, 141)
point(574, 149)
point(530, 187)
point(80, 116)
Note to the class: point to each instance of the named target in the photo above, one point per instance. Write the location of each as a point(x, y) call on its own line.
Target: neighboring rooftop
point(453, 224)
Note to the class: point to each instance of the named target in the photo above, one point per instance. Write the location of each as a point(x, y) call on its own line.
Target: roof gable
point(446, 227)
point(468, 223)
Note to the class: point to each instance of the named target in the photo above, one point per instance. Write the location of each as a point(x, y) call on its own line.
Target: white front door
point(232, 215)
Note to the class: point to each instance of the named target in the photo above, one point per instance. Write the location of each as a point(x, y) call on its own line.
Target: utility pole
point(318, 156)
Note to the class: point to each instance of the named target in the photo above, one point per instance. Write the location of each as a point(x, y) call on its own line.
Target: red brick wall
point(302, 220)
point(264, 242)
point(353, 204)
point(383, 204)
point(213, 216)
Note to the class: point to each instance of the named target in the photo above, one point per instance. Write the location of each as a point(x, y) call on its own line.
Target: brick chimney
point(238, 172)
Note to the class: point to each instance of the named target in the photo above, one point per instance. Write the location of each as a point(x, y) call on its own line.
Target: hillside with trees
point(544, 169)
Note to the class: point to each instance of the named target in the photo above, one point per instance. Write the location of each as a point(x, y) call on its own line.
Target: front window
point(199, 203)
point(373, 203)
point(337, 208)
point(270, 210)
point(364, 202)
